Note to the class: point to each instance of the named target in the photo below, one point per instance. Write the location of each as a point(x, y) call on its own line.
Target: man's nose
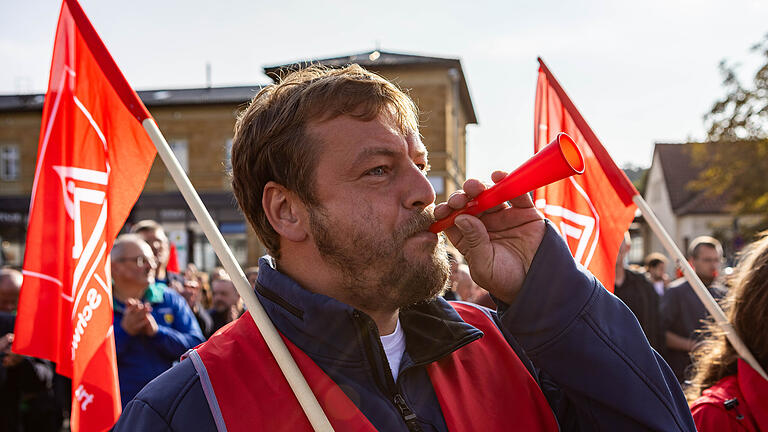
point(420, 192)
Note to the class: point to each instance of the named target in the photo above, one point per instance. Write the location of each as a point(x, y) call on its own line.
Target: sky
point(639, 72)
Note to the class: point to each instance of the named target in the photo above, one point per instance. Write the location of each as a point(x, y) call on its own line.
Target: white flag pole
point(291, 371)
point(698, 286)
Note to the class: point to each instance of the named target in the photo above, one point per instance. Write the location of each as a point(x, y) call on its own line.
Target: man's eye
point(424, 167)
point(378, 171)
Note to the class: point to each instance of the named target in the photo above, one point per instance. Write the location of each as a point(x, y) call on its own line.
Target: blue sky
point(640, 72)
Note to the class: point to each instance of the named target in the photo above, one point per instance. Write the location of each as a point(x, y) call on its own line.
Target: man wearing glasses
point(153, 324)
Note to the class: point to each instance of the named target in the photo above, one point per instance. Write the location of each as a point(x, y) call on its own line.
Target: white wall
point(657, 196)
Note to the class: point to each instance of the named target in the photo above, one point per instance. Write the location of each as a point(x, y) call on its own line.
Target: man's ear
point(285, 212)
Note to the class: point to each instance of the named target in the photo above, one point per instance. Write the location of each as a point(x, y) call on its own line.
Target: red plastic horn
point(557, 160)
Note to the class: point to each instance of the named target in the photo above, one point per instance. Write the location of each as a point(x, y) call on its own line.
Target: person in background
point(154, 234)
point(462, 282)
point(726, 394)
point(656, 271)
point(193, 293)
point(227, 305)
point(638, 294)
point(10, 286)
point(27, 400)
point(205, 286)
point(153, 324)
point(682, 312)
point(218, 273)
point(252, 273)
point(467, 290)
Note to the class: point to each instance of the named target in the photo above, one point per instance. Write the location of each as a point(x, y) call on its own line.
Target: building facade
point(198, 125)
point(686, 212)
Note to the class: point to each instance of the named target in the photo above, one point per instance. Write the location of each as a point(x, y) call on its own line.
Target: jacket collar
point(325, 327)
point(154, 295)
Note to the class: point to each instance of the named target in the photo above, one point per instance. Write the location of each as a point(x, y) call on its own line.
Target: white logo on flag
point(84, 192)
point(84, 397)
point(577, 226)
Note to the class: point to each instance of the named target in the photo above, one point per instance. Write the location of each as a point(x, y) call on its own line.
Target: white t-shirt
point(394, 347)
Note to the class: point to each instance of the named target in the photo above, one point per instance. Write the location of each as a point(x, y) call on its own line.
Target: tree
point(735, 160)
point(743, 112)
point(637, 175)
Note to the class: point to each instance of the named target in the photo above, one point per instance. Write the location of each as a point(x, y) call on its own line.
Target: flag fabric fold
point(592, 211)
point(93, 159)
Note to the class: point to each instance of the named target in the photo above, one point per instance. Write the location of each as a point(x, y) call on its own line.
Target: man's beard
point(376, 275)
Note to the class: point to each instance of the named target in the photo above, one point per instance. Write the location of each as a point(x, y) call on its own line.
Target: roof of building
point(372, 59)
point(679, 171)
point(378, 60)
point(151, 98)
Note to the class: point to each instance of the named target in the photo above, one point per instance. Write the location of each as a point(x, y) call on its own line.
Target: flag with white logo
point(591, 211)
point(93, 159)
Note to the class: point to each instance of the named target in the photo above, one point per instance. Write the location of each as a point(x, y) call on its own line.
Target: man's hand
point(679, 343)
point(135, 320)
point(149, 324)
point(499, 244)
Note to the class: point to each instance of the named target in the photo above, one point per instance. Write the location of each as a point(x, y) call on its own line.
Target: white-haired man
point(153, 324)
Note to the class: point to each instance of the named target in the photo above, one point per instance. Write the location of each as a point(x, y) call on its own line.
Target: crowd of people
point(725, 393)
point(162, 314)
point(669, 311)
point(158, 316)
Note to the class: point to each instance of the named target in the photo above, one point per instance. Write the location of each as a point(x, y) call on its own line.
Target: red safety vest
point(481, 386)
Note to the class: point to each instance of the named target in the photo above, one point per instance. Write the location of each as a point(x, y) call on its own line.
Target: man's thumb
point(472, 230)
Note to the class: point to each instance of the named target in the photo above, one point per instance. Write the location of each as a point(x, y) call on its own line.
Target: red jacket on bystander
point(735, 403)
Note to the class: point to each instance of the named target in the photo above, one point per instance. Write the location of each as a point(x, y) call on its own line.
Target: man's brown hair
point(271, 142)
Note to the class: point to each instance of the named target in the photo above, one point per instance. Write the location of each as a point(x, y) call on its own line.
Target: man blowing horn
point(329, 169)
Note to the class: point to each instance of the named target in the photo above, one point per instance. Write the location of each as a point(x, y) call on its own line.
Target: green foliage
point(735, 160)
point(743, 112)
point(637, 175)
point(739, 168)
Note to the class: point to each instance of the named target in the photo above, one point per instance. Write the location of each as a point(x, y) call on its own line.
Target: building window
point(636, 250)
point(181, 151)
point(9, 162)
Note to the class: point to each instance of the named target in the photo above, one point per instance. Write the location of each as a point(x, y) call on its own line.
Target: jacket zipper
point(397, 399)
point(270, 295)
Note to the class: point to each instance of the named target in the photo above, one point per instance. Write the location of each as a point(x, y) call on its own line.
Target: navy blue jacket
point(581, 343)
point(141, 358)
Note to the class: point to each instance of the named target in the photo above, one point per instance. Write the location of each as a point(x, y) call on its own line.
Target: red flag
point(591, 211)
point(93, 159)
